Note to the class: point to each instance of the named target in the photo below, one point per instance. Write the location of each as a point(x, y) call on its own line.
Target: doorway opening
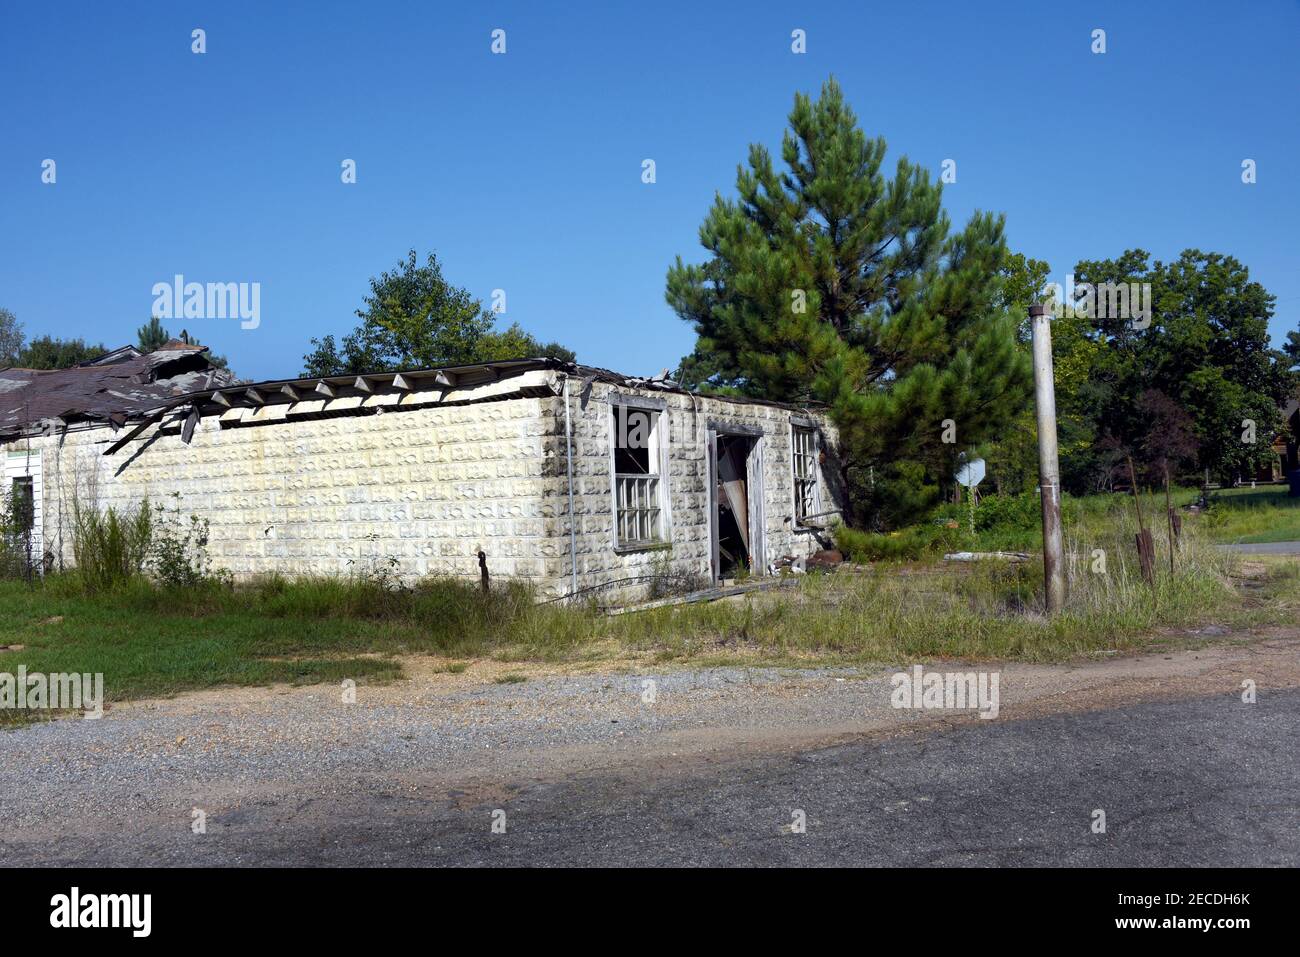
point(733, 516)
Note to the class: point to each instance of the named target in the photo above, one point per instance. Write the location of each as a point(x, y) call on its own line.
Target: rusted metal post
point(1049, 473)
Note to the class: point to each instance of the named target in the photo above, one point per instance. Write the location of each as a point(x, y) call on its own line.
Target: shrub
point(178, 555)
point(15, 540)
point(110, 547)
point(907, 544)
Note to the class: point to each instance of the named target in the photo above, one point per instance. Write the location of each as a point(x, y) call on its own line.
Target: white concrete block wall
point(428, 486)
point(688, 418)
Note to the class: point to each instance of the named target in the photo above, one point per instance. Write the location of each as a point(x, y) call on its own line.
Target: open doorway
point(734, 499)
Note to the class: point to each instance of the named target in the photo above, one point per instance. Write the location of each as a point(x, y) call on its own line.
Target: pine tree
point(152, 335)
point(832, 283)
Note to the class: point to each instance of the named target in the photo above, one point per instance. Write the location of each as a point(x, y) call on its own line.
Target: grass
point(151, 641)
point(1012, 523)
point(1264, 514)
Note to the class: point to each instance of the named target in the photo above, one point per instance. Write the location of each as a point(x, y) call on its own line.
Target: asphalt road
point(1210, 782)
point(1265, 548)
point(1206, 781)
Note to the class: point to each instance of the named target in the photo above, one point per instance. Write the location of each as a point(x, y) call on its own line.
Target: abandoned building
point(573, 479)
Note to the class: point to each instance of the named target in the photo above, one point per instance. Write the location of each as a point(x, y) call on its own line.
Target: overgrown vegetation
point(151, 638)
point(109, 546)
point(1014, 522)
point(16, 556)
point(146, 608)
point(178, 549)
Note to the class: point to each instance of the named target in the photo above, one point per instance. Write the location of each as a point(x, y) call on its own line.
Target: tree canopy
point(49, 352)
point(833, 283)
point(414, 318)
point(152, 335)
point(1204, 357)
point(11, 338)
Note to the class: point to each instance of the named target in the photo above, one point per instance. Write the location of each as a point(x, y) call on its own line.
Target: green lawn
point(152, 651)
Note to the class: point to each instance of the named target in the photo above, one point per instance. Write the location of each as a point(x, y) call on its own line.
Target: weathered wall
point(429, 486)
point(688, 418)
point(20, 458)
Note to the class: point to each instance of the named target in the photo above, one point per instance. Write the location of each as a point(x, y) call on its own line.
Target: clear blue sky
point(523, 171)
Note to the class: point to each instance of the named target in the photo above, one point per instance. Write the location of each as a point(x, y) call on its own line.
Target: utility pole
point(1049, 472)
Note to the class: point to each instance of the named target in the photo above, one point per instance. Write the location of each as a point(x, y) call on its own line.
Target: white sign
point(970, 474)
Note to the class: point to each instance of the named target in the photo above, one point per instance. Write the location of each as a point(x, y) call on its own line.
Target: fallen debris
point(708, 594)
point(986, 556)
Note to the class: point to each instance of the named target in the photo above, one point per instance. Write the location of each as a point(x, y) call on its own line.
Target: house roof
point(109, 389)
point(125, 386)
point(444, 377)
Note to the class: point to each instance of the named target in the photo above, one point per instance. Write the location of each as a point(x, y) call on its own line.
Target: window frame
point(28, 483)
point(809, 428)
point(658, 456)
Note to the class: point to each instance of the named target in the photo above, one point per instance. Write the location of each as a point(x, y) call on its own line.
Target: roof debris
point(111, 389)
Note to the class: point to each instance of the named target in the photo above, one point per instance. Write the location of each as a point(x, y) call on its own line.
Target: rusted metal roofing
point(111, 389)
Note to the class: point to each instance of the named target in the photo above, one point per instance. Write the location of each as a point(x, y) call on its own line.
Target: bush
point(15, 540)
point(178, 555)
point(908, 544)
point(110, 547)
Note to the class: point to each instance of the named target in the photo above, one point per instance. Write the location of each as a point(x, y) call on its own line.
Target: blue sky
point(523, 171)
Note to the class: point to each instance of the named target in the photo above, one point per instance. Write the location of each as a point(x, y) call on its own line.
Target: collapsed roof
point(175, 390)
point(109, 390)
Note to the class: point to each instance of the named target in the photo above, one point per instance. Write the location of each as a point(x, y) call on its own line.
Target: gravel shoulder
point(301, 768)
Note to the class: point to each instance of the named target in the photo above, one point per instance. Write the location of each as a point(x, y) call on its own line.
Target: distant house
point(571, 478)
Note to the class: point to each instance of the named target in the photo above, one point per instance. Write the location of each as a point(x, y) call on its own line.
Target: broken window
point(805, 474)
point(23, 503)
point(638, 514)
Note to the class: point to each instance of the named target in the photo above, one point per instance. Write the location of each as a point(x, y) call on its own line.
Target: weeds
point(110, 547)
point(15, 536)
point(162, 635)
point(178, 550)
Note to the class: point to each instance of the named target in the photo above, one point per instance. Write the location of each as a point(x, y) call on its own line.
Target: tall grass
point(110, 546)
point(989, 609)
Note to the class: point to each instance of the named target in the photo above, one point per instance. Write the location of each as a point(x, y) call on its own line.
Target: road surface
point(1265, 548)
point(580, 770)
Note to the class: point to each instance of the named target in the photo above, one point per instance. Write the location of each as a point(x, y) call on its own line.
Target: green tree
point(1206, 349)
point(11, 338)
point(152, 335)
point(413, 318)
point(832, 283)
point(48, 352)
point(514, 343)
